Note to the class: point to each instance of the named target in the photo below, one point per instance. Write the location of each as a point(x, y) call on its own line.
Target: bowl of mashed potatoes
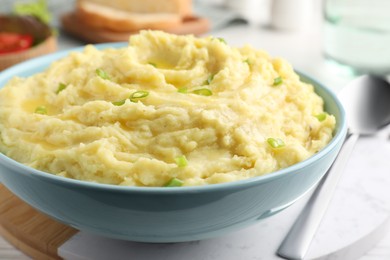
point(166, 138)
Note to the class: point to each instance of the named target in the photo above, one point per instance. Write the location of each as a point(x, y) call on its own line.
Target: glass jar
point(357, 34)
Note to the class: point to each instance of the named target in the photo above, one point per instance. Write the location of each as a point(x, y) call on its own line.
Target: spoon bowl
point(367, 104)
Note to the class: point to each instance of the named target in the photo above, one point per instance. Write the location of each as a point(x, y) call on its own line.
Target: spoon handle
point(296, 244)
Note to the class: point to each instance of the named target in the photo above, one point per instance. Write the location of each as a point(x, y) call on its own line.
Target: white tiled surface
point(380, 252)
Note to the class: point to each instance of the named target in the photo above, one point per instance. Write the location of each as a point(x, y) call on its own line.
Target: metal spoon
point(367, 104)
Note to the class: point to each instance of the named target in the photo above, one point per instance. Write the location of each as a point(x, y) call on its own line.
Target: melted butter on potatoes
point(124, 116)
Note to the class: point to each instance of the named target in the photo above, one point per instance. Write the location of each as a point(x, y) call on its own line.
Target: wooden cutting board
point(72, 25)
point(30, 231)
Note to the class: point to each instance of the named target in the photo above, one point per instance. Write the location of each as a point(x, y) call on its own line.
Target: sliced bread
point(180, 7)
point(116, 19)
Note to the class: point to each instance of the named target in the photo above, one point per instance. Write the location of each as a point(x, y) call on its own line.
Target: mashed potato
point(166, 108)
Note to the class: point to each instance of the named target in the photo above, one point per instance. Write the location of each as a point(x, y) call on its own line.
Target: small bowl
point(158, 214)
point(44, 42)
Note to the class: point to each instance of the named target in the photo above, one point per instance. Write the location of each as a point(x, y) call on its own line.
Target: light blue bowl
point(166, 214)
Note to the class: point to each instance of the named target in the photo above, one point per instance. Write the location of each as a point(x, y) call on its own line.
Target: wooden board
point(32, 232)
point(72, 25)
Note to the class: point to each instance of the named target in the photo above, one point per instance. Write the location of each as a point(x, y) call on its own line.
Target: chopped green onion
point(133, 97)
point(247, 61)
point(275, 142)
point(202, 92)
point(119, 103)
point(278, 81)
point(174, 182)
point(153, 64)
point(182, 90)
point(138, 94)
point(41, 110)
point(101, 73)
point(61, 87)
point(181, 161)
point(209, 79)
point(321, 117)
point(222, 40)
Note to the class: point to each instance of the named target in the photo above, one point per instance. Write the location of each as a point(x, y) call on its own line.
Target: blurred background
point(331, 40)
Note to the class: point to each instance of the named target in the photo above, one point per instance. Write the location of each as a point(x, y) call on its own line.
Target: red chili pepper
point(14, 42)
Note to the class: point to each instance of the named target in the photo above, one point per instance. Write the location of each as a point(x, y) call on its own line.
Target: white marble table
point(302, 48)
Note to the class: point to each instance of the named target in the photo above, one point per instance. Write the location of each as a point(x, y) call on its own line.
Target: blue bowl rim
point(7, 74)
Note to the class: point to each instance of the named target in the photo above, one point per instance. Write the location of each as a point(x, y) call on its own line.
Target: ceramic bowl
point(161, 214)
point(44, 41)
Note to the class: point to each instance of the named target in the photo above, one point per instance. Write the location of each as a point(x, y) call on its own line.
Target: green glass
point(357, 34)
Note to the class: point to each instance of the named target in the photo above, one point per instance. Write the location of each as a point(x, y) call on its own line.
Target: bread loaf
point(132, 15)
point(180, 7)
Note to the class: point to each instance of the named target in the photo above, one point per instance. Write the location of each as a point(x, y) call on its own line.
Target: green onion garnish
point(153, 64)
point(209, 79)
point(119, 103)
point(321, 117)
point(202, 92)
point(101, 73)
point(138, 94)
point(60, 88)
point(174, 182)
point(41, 110)
point(181, 161)
point(278, 81)
point(182, 90)
point(275, 142)
point(247, 61)
point(222, 40)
